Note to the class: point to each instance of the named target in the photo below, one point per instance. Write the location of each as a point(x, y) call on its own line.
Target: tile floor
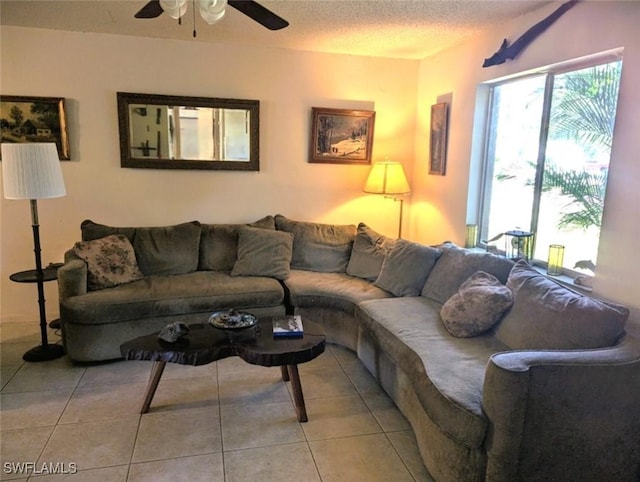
point(227, 421)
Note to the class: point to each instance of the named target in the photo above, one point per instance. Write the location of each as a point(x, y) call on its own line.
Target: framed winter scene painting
point(341, 136)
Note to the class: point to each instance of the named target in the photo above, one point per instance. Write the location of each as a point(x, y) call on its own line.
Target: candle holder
point(518, 245)
point(556, 258)
point(471, 236)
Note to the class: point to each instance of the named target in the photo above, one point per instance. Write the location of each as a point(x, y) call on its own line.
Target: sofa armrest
point(72, 277)
point(564, 415)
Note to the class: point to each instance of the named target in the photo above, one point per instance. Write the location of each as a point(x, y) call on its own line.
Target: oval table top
point(205, 344)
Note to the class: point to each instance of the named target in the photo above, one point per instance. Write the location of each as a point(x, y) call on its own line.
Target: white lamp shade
point(31, 171)
point(387, 177)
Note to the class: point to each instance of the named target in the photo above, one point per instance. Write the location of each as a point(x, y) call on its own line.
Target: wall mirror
point(174, 132)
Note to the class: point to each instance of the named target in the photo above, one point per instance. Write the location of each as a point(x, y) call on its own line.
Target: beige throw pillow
point(111, 261)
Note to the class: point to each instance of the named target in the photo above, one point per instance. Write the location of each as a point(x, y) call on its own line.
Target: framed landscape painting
point(341, 136)
point(35, 119)
point(438, 144)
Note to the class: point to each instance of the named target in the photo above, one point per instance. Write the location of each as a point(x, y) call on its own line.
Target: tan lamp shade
point(31, 171)
point(387, 177)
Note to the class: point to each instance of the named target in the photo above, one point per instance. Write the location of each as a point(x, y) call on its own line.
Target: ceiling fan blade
point(150, 10)
point(259, 13)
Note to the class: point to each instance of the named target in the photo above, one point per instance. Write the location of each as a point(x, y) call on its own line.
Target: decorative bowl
point(232, 320)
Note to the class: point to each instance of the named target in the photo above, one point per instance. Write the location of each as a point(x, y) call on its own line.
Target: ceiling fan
point(213, 10)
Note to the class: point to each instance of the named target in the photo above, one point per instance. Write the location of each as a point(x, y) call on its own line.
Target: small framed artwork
point(438, 144)
point(35, 119)
point(341, 136)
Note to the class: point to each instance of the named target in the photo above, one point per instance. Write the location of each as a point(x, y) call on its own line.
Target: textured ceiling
point(410, 29)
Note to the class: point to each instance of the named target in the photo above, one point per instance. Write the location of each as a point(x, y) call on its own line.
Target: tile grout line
point(383, 431)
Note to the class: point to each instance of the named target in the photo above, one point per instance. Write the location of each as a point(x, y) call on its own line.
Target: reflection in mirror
point(170, 132)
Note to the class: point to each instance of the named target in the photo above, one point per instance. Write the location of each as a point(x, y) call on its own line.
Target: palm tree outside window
point(548, 146)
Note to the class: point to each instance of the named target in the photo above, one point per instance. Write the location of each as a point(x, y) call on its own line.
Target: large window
point(548, 145)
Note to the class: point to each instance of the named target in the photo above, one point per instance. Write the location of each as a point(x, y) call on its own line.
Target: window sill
point(564, 280)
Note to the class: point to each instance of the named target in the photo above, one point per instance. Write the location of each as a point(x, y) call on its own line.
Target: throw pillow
point(219, 243)
point(550, 316)
point(477, 306)
point(367, 254)
point(169, 249)
point(456, 265)
point(318, 247)
point(406, 267)
point(111, 261)
point(262, 252)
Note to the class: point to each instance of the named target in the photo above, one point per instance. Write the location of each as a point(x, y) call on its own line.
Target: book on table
point(289, 326)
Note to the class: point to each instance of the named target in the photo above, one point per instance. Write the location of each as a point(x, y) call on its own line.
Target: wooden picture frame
point(438, 139)
point(25, 119)
point(341, 136)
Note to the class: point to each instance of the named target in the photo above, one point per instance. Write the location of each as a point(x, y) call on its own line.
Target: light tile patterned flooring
point(226, 421)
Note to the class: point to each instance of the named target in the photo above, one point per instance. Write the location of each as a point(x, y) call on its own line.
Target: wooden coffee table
point(205, 344)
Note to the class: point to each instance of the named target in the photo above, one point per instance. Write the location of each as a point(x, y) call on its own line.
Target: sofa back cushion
point(168, 249)
point(91, 231)
point(219, 243)
point(406, 267)
point(367, 254)
point(319, 247)
point(547, 315)
point(159, 250)
point(456, 265)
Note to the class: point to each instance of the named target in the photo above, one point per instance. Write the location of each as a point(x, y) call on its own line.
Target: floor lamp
point(32, 171)
point(388, 178)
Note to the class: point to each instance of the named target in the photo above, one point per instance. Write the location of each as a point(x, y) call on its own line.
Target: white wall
point(439, 204)
point(88, 70)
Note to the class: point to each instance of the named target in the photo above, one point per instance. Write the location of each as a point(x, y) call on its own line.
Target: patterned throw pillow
point(477, 306)
point(111, 261)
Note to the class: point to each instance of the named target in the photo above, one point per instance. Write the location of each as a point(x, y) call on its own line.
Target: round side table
point(46, 351)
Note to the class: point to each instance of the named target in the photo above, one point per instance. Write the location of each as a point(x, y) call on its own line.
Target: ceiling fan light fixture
point(174, 8)
point(212, 10)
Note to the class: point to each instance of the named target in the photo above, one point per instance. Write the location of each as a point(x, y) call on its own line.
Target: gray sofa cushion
point(455, 265)
point(310, 289)
point(219, 243)
point(411, 334)
point(319, 247)
point(262, 252)
point(156, 296)
point(368, 252)
point(167, 249)
point(549, 316)
point(111, 261)
point(477, 306)
point(159, 250)
point(406, 267)
point(90, 230)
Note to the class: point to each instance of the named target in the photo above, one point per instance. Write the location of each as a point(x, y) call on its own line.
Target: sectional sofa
point(503, 373)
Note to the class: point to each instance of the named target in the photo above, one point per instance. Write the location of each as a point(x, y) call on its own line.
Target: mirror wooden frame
point(124, 123)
